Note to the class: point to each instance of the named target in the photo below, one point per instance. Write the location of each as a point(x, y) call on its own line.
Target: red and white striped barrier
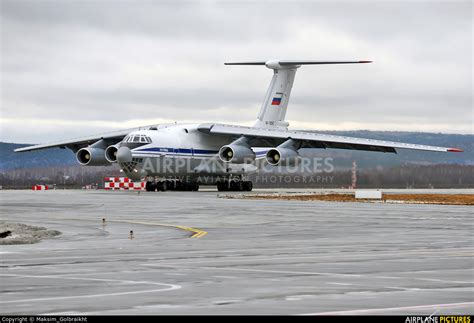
point(123, 183)
point(118, 179)
point(39, 187)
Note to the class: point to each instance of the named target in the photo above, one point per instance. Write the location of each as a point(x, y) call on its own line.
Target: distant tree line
point(405, 176)
point(63, 177)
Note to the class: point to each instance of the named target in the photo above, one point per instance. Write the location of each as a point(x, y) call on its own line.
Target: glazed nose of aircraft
point(124, 155)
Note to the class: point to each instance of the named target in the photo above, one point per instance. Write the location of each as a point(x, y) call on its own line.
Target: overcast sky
point(72, 68)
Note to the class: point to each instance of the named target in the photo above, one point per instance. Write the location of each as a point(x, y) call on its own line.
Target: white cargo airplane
point(183, 156)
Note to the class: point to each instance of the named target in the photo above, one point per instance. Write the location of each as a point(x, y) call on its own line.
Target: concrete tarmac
point(194, 253)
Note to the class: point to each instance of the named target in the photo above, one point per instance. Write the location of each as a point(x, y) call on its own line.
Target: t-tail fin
point(273, 111)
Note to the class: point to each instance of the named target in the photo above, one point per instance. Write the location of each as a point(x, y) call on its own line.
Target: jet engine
point(111, 153)
point(279, 156)
point(237, 152)
point(285, 154)
point(90, 156)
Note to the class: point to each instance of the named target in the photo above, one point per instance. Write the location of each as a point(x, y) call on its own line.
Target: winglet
point(455, 150)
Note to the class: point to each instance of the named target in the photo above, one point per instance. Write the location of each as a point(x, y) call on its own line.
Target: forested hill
point(365, 159)
point(34, 159)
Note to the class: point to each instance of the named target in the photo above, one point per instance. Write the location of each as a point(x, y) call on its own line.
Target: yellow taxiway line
point(197, 233)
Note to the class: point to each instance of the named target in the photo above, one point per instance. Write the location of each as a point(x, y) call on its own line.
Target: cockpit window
point(137, 139)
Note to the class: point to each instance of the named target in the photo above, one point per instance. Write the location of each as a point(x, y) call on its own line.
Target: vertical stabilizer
point(273, 110)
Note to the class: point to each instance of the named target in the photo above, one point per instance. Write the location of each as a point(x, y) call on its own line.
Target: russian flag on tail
point(277, 98)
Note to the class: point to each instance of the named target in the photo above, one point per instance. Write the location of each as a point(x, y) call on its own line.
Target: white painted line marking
point(445, 281)
point(240, 258)
point(298, 297)
point(167, 265)
point(175, 274)
point(446, 242)
point(168, 288)
point(387, 277)
point(401, 288)
point(406, 308)
point(353, 254)
point(64, 314)
point(229, 277)
point(282, 272)
point(387, 287)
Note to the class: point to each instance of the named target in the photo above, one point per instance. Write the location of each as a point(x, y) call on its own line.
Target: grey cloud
point(207, 19)
point(115, 62)
point(164, 19)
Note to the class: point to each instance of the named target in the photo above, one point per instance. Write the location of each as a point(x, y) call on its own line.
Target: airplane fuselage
point(179, 150)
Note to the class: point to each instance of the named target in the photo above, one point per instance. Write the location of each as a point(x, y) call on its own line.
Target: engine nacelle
point(90, 156)
point(281, 156)
point(111, 153)
point(237, 154)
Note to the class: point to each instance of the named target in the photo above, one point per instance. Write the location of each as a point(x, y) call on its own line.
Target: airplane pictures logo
point(277, 98)
point(439, 319)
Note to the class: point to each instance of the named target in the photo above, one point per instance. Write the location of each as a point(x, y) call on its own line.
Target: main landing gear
point(234, 185)
point(170, 185)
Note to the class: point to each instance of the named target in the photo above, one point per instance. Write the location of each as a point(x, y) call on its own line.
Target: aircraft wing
point(274, 137)
point(78, 143)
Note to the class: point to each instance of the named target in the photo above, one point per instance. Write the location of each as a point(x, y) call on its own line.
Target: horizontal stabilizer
point(296, 62)
point(245, 63)
point(283, 63)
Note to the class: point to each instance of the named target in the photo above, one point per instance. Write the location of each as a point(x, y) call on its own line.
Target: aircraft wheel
point(236, 186)
point(180, 186)
point(169, 185)
point(248, 186)
point(150, 186)
point(163, 186)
